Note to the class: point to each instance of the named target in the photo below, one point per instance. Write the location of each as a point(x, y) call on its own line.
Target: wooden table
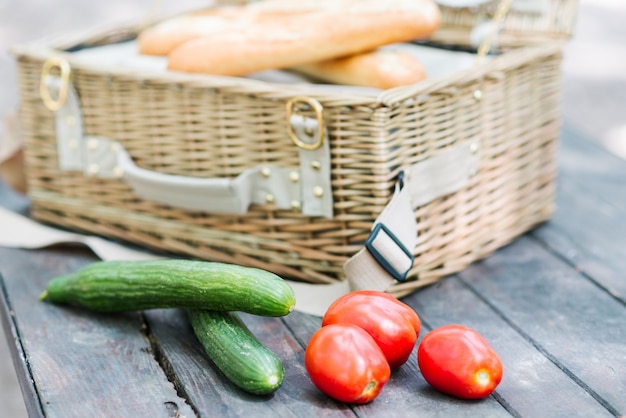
point(552, 304)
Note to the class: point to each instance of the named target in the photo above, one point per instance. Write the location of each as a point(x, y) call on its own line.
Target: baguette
point(163, 37)
point(284, 38)
point(381, 68)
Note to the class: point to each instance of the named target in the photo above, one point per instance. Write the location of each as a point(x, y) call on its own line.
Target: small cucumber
point(114, 286)
point(238, 354)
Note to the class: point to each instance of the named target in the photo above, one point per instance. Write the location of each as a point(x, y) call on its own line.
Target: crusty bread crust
point(288, 37)
point(163, 37)
point(382, 68)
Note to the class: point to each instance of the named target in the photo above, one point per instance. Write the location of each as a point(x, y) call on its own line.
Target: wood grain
point(532, 384)
point(208, 390)
point(577, 325)
point(599, 173)
point(82, 363)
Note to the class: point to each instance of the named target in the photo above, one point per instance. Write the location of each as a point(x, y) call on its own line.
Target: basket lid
point(465, 22)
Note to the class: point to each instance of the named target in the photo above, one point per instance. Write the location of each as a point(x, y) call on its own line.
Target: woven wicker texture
point(519, 29)
point(217, 127)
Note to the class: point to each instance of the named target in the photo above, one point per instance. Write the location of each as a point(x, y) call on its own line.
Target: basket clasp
point(44, 91)
point(319, 115)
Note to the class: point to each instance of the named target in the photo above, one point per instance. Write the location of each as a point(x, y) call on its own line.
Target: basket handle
point(283, 188)
point(259, 185)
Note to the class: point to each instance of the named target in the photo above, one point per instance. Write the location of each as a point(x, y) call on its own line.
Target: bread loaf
point(163, 37)
point(382, 68)
point(288, 37)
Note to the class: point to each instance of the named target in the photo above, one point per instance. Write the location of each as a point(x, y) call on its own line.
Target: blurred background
point(594, 74)
point(594, 81)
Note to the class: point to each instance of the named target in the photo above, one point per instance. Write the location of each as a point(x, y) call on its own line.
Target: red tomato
point(394, 325)
point(345, 363)
point(458, 361)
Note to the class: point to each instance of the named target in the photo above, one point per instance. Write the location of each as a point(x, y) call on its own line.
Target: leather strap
point(387, 255)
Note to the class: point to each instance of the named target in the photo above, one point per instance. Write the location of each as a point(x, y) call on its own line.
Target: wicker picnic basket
point(499, 120)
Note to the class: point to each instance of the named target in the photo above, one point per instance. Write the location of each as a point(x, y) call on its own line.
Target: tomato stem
point(482, 378)
point(371, 385)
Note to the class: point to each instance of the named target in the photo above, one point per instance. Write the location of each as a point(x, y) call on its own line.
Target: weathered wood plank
point(580, 327)
point(598, 172)
point(82, 363)
point(588, 227)
point(27, 386)
point(406, 392)
point(589, 232)
point(532, 385)
point(208, 390)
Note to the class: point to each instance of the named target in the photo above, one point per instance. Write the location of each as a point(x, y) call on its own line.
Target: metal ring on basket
point(319, 115)
point(44, 91)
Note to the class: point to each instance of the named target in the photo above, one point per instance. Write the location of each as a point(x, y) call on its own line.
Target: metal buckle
point(380, 258)
point(44, 91)
point(319, 115)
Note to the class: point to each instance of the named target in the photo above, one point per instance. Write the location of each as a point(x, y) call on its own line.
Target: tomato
point(344, 362)
point(394, 325)
point(458, 361)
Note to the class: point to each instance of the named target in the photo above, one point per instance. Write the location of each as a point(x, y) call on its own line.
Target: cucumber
point(233, 348)
point(114, 286)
